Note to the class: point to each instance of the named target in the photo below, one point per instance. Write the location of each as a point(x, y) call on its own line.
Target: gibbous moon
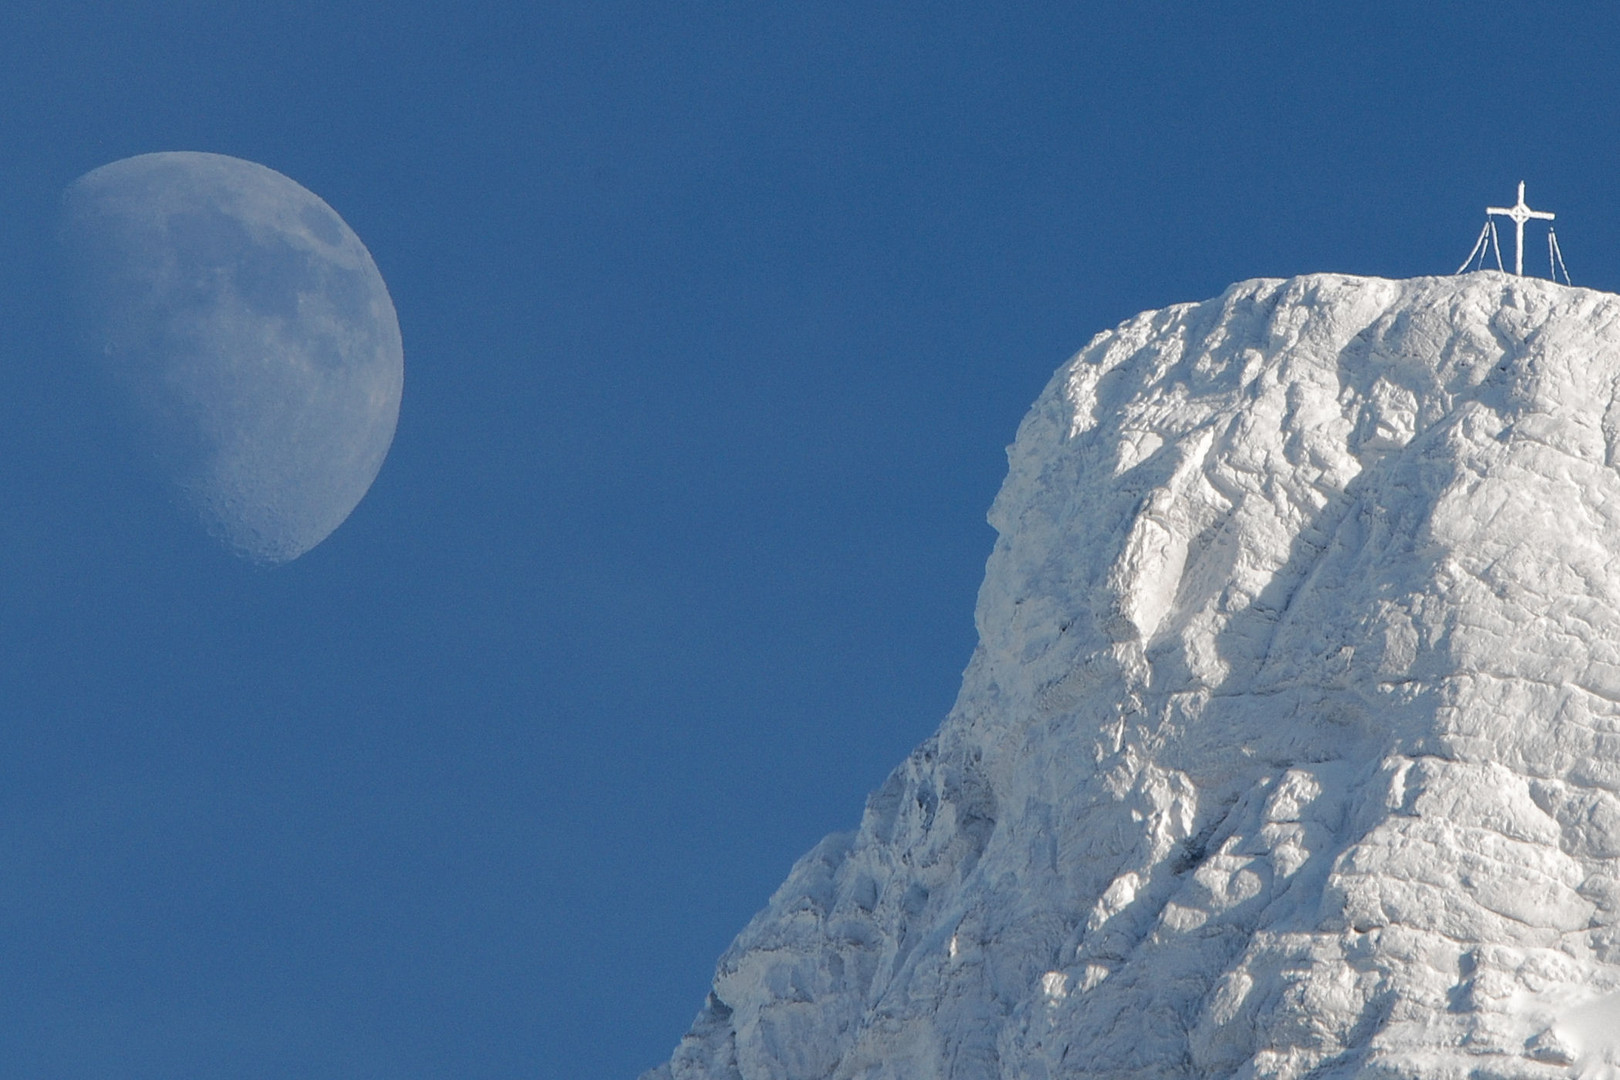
point(244, 333)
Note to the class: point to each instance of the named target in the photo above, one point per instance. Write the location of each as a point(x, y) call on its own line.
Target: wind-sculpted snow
point(1291, 746)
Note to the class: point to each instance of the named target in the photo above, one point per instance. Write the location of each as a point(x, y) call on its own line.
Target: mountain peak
point(1291, 745)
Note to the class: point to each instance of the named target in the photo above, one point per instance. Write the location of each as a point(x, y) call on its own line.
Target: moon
point(245, 340)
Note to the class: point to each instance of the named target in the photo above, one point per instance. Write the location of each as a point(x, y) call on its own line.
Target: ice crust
point(1291, 745)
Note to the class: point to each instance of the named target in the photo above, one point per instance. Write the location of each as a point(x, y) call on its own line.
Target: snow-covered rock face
point(1291, 746)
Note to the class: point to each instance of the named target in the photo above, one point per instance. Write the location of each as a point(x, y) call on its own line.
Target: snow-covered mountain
point(1291, 746)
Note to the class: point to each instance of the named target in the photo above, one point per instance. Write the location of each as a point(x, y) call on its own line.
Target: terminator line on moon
point(246, 336)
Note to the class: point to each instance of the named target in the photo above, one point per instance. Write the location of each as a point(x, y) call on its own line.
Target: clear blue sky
point(717, 320)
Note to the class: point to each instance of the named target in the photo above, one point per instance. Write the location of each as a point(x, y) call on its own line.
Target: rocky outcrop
point(1291, 746)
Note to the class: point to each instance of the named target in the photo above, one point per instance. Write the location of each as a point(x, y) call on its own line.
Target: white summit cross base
point(1520, 213)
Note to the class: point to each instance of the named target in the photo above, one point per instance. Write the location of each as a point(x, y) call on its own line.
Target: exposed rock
point(1291, 746)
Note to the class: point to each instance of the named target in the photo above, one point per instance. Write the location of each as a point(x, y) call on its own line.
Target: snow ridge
point(1291, 746)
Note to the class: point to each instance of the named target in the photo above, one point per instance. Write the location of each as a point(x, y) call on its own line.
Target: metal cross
point(1520, 213)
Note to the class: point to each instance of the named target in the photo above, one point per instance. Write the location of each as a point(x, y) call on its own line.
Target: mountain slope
point(1291, 745)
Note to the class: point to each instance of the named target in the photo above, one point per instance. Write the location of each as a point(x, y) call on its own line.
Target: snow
point(1588, 1036)
point(1291, 745)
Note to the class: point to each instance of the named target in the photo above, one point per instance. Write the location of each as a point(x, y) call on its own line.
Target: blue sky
point(717, 320)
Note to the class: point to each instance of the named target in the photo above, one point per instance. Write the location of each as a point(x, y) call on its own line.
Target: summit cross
point(1520, 213)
